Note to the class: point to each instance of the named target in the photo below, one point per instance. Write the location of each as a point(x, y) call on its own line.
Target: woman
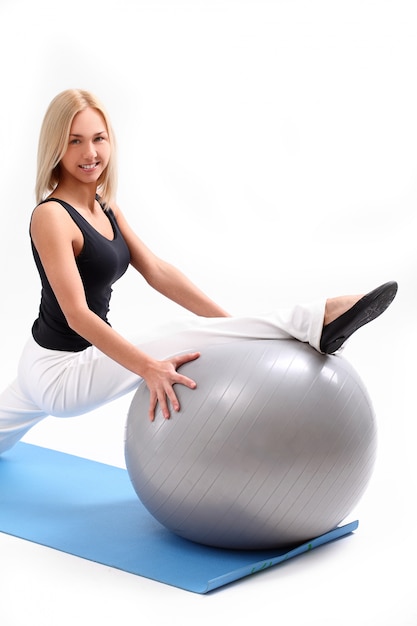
point(75, 361)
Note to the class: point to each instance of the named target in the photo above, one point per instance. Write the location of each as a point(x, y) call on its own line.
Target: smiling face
point(88, 149)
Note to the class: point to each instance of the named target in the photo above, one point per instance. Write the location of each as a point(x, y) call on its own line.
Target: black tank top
point(101, 263)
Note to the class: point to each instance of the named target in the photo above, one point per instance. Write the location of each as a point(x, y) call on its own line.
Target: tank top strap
point(75, 215)
point(81, 222)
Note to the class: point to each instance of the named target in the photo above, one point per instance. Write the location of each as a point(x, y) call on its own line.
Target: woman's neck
point(80, 196)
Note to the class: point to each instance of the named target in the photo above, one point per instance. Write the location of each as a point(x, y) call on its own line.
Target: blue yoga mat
point(90, 510)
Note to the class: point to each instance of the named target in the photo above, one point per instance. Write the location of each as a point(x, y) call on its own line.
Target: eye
point(99, 139)
point(73, 142)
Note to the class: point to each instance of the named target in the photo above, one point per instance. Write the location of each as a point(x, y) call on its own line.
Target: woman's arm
point(166, 278)
point(55, 236)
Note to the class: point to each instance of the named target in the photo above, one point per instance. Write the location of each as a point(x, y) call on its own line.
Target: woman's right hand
point(160, 376)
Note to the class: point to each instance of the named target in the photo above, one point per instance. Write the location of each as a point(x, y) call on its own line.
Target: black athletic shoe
point(365, 310)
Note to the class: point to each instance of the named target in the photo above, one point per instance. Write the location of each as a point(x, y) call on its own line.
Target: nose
point(90, 150)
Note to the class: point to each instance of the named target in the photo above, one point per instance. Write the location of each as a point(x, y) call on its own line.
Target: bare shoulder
point(114, 207)
point(48, 210)
point(51, 218)
point(120, 217)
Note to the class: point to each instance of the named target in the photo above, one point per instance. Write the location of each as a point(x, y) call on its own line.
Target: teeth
point(88, 167)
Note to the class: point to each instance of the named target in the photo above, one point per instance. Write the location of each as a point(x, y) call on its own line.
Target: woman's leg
point(17, 415)
point(65, 384)
point(304, 323)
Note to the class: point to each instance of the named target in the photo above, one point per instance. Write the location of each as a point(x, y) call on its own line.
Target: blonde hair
point(53, 143)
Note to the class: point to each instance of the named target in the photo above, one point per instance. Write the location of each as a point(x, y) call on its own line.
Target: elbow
point(73, 322)
point(76, 319)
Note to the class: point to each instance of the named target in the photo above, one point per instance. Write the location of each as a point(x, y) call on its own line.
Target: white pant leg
point(302, 322)
point(65, 384)
point(17, 415)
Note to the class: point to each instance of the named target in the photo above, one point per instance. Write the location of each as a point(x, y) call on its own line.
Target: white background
point(269, 149)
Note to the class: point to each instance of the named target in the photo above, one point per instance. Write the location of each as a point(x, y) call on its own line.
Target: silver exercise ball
point(275, 446)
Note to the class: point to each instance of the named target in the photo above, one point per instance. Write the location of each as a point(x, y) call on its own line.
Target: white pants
point(64, 384)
